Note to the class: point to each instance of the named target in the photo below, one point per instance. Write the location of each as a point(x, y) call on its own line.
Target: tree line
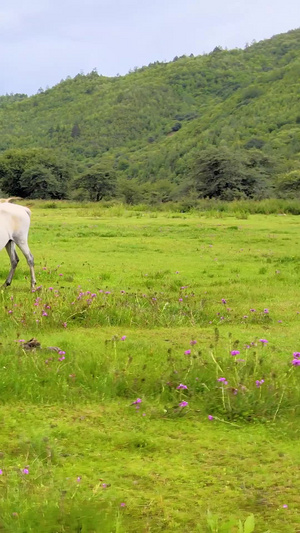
point(215, 172)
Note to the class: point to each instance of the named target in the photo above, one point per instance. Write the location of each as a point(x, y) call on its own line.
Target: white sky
point(44, 41)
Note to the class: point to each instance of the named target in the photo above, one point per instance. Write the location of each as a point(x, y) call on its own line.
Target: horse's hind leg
point(11, 250)
point(29, 257)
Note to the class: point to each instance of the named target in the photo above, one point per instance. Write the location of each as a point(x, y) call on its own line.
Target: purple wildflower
point(123, 338)
point(266, 311)
point(210, 417)
point(192, 343)
point(183, 404)
point(25, 471)
point(187, 352)
point(263, 341)
point(296, 362)
point(223, 301)
point(235, 352)
point(78, 479)
point(1, 472)
point(122, 504)
point(296, 355)
point(259, 383)
point(222, 380)
point(138, 400)
point(181, 386)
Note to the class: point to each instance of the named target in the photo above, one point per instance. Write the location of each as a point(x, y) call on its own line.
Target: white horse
point(14, 228)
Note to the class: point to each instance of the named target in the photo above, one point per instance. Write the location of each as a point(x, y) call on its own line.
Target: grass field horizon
point(164, 391)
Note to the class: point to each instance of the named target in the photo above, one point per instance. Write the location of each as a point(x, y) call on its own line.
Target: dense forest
point(221, 125)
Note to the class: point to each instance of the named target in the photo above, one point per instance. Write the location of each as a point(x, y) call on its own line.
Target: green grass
point(157, 279)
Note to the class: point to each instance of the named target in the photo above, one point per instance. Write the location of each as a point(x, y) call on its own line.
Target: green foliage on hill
point(152, 125)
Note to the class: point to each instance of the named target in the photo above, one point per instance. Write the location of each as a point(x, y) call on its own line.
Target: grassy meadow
point(160, 393)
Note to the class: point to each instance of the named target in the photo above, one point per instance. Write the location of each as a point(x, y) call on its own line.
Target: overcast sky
point(44, 41)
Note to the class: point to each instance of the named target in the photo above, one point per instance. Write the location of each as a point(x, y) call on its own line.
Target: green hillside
point(153, 124)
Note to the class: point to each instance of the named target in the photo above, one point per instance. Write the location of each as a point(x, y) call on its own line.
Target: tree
point(35, 173)
point(224, 174)
point(130, 191)
point(288, 185)
point(254, 143)
point(12, 165)
point(158, 192)
point(99, 181)
point(75, 131)
point(40, 182)
point(176, 126)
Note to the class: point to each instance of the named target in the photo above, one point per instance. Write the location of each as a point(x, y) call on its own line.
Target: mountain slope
point(153, 121)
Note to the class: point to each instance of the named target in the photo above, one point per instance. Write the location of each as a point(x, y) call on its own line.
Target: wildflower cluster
point(62, 357)
point(92, 307)
point(296, 359)
point(259, 383)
